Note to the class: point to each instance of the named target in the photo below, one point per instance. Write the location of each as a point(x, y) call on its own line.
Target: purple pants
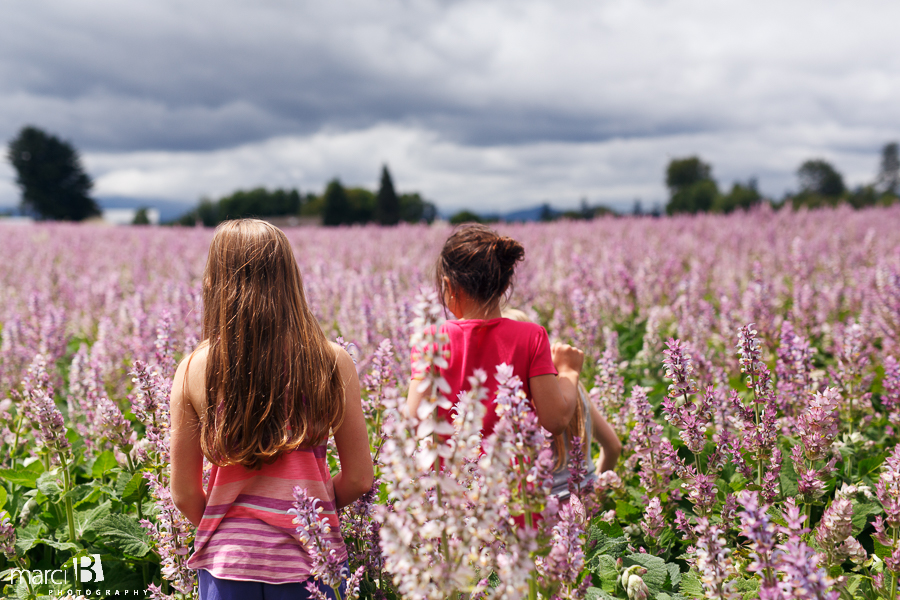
point(213, 588)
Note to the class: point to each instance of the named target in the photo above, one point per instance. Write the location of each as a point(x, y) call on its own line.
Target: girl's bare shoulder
point(191, 375)
point(342, 359)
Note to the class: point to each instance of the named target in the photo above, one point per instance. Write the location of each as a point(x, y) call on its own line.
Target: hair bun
point(509, 251)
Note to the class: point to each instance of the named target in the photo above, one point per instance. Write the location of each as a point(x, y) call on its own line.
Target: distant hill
point(530, 214)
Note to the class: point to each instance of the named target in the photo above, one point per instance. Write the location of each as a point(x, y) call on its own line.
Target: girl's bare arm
point(414, 397)
point(554, 401)
point(610, 446)
point(352, 439)
point(186, 457)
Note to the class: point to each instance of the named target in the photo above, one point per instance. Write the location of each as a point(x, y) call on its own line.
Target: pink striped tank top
point(246, 533)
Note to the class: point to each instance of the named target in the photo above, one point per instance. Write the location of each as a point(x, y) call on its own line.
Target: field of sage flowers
point(749, 364)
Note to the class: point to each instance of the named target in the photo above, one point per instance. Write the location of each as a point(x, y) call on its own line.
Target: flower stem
point(15, 447)
point(894, 573)
point(67, 483)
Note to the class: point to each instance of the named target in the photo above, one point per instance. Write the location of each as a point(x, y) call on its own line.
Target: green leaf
point(28, 537)
point(788, 479)
point(103, 464)
point(123, 533)
point(749, 587)
point(674, 575)
point(64, 546)
point(869, 465)
point(853, 583)
point(607, 545)
point(2, 497)
point(84, 492)
point(612, 530)
point(86, 521)
point(24, 476)
point(597, 594)
point(861, 513)
point(881, 551)
point(128, 486)
point(656, 574)
point(604, 567)
point(691, 586)
point(48, 485)
point(625, 510)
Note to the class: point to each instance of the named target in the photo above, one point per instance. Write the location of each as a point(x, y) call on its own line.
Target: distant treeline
point(337, 205)
point(692, 188)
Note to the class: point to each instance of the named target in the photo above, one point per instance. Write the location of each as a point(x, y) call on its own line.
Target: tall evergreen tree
point(336, 209)
point(54, 184)
point(889, 173)
point(387, 205)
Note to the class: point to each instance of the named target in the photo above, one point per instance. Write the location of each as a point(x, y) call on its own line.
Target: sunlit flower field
point(749, 364)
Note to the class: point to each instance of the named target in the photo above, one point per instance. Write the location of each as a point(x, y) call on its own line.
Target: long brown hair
point(272, 383)
point(574, 430)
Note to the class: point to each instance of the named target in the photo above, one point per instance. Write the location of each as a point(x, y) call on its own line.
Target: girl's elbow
point(612, 450)
point(555, 424)
point(362, 482)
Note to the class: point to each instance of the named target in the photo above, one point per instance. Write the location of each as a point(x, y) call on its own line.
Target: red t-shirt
point(478, 344)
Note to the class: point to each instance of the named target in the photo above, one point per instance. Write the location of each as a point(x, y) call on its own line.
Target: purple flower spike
point(653, 522)
point(314, 533)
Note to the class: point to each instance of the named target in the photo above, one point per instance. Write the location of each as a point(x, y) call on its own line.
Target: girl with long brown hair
point(258, 399)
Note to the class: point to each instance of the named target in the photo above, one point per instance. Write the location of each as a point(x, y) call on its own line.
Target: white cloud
point(475, 102)
point(500, 177)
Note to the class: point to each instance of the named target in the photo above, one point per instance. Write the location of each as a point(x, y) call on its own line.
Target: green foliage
point(818, 177)
point(415, 209)
point(889, 171)
point(691, 187)
point(124, 534)
point(336, 208)
point(465, 216)
point(258, 202)
point(140, 217)
point(697, 197)
point(49, 172)
point(685, 172)
point(740, 197)
point(387, 205)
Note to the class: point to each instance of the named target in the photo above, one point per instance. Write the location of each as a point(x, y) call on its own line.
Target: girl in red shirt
point(474, 273)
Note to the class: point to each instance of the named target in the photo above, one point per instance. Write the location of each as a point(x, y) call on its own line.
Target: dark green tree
point(387, 204)
point(684, 172)
point(691, 186)
point(415, 209)
point(465, 216)
point(49, 172)
point(889, 173)
point(260, 202)
point(336, 209)
point(740, 197)
point(547, 213)
point(141, 217)
point(819, 177)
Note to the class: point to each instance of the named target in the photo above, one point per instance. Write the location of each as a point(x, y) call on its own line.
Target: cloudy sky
point(485, 104)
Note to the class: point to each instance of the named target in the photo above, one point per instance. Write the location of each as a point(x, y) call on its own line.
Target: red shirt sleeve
point(541, 359)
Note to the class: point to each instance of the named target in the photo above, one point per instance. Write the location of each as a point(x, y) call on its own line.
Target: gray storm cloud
point(530, 100)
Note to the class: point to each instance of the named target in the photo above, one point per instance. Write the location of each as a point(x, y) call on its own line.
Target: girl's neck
point(486, 313)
